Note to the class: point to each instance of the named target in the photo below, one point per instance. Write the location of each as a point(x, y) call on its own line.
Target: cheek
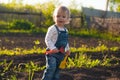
point(66, 19)
point(56, 19)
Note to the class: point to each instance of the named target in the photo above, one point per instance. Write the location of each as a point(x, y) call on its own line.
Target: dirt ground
point(27, 42)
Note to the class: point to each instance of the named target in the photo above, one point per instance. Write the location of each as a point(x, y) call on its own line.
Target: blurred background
point(36, 15)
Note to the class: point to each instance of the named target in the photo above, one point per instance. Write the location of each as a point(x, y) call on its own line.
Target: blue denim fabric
point(52, 69)
point(62, 39)
point(53, 60)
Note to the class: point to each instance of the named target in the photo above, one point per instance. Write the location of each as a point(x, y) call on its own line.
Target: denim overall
point(53, 60)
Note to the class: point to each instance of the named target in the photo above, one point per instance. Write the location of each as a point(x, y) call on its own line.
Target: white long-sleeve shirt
point(51, 37)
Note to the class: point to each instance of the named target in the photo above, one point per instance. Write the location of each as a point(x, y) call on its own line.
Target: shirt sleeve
point(51, 37)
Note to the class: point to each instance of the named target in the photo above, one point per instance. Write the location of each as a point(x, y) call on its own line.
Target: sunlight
point(97, 4)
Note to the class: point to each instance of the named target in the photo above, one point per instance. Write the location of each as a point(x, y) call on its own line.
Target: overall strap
point(61, 34)
point(59, 30)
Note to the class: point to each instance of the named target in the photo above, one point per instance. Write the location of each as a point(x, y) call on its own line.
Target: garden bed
point(27, 42)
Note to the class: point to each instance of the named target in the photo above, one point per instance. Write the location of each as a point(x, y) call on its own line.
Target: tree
point(118, 5)
point(114, 5)
point(107, 3)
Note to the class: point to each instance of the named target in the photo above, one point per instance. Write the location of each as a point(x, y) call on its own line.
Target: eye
point(64, 16)
point(57, 16)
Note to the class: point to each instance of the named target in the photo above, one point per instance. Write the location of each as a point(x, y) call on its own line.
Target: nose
point(61, 18)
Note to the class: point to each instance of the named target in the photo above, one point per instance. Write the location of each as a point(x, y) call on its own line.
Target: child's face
point(61, 18)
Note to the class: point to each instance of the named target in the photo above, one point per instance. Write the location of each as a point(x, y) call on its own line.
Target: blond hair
point(63, 9)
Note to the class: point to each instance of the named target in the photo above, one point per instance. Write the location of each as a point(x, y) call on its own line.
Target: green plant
point(13, 77)
point(82, 60)
point(47, 11)
point(31, 68)
point(5, 69)
point(106, 61)
point(21, 24)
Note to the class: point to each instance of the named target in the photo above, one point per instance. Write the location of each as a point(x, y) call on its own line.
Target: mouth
point(60, 21)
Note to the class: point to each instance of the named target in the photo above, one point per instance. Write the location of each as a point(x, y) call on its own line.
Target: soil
point(27, 42)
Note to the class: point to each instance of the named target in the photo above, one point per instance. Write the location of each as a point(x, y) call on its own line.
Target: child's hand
point(52, 51)
point(67, 52)
point(55, 50)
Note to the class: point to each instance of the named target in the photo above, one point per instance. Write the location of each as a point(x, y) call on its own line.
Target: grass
point(79, 60)
point(99, 48)
point(92, 33)
point(38, 50)
point(30, 68)
point(85, 33)
point(82, 60)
